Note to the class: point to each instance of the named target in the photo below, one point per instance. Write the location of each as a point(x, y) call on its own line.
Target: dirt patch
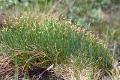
point(7, 71)
point(38, 73)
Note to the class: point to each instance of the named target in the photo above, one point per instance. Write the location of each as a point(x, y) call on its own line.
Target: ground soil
point(7, 71)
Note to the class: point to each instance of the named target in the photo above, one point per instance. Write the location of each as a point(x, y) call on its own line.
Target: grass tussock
point(30, 41)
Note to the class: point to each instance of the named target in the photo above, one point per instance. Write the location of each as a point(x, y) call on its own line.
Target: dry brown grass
point(6, 68)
